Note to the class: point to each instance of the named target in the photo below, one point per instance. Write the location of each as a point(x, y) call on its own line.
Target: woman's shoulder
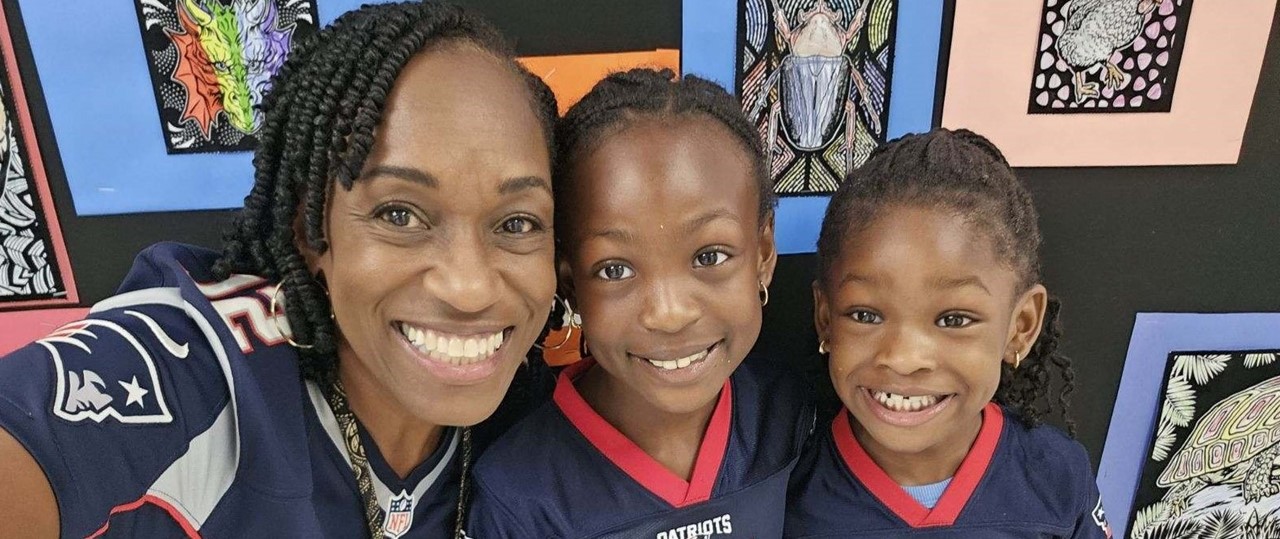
point(113, 399)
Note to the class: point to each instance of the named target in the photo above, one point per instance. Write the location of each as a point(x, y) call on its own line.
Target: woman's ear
point(315, 262)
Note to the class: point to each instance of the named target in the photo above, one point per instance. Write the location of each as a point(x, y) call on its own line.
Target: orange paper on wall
point(571, 76)
point(19, 328)
point(989, 77)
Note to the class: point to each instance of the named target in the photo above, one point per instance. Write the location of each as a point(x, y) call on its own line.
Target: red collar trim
point(893, 496)
point(632, 460)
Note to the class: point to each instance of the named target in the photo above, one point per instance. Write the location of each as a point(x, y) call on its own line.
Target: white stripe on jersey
point(197, 481)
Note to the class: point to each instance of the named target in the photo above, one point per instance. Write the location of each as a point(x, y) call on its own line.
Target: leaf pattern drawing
point(1200, 368)
point(1253, 361)
point(1179, 402)
point(1214, 459)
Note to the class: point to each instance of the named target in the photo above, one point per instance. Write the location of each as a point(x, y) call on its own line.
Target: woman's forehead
point(460, 112)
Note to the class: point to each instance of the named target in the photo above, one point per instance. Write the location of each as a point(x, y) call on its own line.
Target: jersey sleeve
point(489, 518)
point(106, 404)
point(1092, 523)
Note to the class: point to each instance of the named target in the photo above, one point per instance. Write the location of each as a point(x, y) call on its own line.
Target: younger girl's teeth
point(452, 349)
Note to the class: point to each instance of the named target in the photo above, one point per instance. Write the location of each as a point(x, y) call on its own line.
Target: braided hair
point(622, 99)
point(963, 171)
point(320, 118)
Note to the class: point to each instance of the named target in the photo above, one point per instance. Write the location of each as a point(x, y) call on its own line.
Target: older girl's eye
point(710, 258)
point(863, 316)
point(519, 225)
point(398, 216)
point(954, 321)
point(615, 272)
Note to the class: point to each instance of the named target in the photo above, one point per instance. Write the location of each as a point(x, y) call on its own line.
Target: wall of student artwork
point(172, 124)
point(1118, 240)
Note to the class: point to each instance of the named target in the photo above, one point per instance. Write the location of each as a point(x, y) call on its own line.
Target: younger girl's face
point(918, 313)
point(665, 258)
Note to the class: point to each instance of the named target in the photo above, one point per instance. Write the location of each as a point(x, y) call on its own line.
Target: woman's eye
point(398, 216)
point(865, 317)
point(615, 272)
point(954, 321)
point(710, 258)
point(518, 225)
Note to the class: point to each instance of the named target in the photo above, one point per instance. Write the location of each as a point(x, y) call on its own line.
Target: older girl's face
point(440, 266)
point(667, 256)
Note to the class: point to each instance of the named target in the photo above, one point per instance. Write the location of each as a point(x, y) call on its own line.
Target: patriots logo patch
point(103, 371)
point(1100, 518)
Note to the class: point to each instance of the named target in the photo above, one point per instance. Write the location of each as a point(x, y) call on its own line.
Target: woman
point(390, 269)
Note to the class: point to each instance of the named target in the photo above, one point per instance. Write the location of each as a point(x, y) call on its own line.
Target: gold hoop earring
point(573, 322)
point(275, 321)
point(1017, 360)
point(822, 347)
point(764, 294)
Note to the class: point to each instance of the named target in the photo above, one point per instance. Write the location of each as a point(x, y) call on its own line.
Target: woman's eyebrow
point(515, 185)
point(404, 173)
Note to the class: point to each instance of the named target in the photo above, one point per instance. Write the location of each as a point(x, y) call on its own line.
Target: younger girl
point(666, 223)
point(929, 302)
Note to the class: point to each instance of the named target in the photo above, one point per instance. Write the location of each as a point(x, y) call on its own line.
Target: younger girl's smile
point(907, 409)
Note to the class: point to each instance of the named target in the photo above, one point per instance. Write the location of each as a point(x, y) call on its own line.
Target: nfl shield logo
point(399, 515)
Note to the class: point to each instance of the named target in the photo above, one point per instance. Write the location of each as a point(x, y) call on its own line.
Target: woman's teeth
point(673, 364)
point(903, 403)
point(452, 349)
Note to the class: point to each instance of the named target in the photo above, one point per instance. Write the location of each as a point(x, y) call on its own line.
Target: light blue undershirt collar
point(928, 495)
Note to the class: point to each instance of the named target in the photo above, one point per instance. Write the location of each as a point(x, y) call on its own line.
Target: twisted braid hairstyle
point(963, 171)
point(320, 119)
point(623, 98)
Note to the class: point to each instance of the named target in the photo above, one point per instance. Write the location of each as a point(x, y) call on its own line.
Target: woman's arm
point(24, 491)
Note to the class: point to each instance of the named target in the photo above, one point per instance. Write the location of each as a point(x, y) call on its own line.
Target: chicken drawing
point(1094, 31)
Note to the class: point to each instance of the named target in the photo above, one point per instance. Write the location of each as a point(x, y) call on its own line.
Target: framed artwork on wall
point(34, 268)
point(1156, 338)
point(1107, 83)
point(211, 65)
point(909, 32)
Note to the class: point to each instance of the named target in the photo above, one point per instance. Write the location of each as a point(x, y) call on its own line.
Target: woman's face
point(440, 259)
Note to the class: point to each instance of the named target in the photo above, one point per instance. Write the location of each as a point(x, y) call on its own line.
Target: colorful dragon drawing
point(227, 55)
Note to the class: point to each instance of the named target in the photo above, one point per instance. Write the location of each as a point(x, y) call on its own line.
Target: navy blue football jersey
point(177, 409)
point(566, 472)
point(1015, 482)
